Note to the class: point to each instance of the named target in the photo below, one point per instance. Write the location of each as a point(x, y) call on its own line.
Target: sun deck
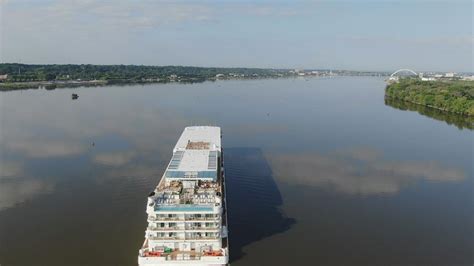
point(192, 175)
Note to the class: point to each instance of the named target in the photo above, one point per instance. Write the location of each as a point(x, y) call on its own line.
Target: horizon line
point(244, 67)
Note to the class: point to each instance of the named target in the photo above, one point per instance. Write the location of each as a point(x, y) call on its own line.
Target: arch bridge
point(403, 70)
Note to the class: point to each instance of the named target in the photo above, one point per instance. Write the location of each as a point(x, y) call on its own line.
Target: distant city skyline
point(352, 35)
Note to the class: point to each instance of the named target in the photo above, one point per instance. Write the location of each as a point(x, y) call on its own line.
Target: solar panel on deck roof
point(176, 160)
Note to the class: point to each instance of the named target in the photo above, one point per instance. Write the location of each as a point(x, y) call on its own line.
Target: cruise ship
point(187, 218)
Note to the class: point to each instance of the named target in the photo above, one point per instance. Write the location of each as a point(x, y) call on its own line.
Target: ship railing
point(201, 237)
point(151, 218)
point(202, 218)
point(177, 255)
point(184, 256)
point(203, 228)
point(165, 238)
point(172, 228)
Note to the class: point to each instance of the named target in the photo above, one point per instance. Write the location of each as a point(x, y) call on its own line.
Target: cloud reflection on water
point(10, 169)
point(114, 158)
point(16, 186)
point(14, 191)
point(358, 171)
point(38, 148)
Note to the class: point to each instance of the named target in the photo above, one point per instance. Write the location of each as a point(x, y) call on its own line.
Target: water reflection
point(17, 190)
point(16, 187)
point(358, 171)
point(114, 158)
point(39, 148)
point(459, 121)
point(81, 170)
point(10, 169)
point(254, 199)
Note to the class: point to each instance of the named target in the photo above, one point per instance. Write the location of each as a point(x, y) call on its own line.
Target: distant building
point(173, 77)
point(3, 77)
point(219, 75)
point(427, 79)
point(450, 75)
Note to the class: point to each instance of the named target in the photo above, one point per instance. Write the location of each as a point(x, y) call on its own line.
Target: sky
point(382, 35)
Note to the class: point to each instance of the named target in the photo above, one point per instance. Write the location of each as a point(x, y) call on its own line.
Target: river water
point(319, 171)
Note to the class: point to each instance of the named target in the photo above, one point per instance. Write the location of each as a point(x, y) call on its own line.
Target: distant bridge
point(403, 70)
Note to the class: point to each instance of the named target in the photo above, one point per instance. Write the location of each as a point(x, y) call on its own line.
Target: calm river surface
point(319, 171)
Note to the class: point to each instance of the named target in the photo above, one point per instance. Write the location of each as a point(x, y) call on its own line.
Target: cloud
point(358, 171)
point(435, 40)
point(265, 10)
point(91, 15)
point(114, 159)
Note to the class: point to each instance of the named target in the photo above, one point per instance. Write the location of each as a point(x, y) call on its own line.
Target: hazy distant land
point(24, 76)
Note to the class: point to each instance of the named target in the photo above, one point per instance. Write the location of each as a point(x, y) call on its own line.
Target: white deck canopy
point(199, 136)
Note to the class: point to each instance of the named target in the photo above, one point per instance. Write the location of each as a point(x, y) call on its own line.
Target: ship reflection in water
point(254, 200)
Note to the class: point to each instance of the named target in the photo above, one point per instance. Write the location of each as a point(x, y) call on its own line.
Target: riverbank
point(449, 96)
point(28, 76)
point(7, 86)
point(51, 85)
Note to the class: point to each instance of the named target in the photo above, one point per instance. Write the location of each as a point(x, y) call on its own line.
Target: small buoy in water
point(74, 96)
point(93, 144)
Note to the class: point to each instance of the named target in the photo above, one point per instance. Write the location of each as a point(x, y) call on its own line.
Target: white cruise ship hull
point(187, 217)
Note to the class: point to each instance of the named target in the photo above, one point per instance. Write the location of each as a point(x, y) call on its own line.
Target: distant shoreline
point(25, 76)
point(51, 85)
point(455, 97)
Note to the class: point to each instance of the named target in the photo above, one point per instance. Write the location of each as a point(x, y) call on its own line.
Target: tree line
point(26, 72)
point(452, 96)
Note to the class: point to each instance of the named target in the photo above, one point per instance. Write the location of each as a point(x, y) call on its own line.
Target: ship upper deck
point(199, 138)
point(192, 176)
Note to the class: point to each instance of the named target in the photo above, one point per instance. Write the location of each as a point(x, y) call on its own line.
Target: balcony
point(155, 219)
point(202, 237)
point(184, 208)
point(172, 228)
point(203, 228)
point(165, 238)
point(202, 219)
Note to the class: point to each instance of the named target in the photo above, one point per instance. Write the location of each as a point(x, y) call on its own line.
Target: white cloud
point(96, 16)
